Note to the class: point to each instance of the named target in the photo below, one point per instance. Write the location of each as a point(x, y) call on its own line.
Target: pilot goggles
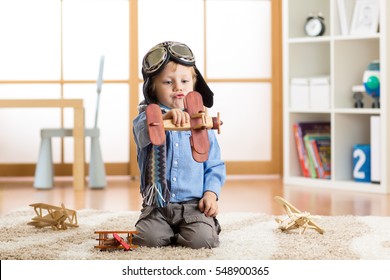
point(162, 53)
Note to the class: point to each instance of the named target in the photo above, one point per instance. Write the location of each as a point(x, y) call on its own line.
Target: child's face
point(173, 84)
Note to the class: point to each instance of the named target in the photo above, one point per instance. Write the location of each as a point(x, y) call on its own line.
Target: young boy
point(180, 198)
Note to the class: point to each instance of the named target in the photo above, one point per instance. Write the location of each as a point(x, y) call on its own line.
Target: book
point(342, 17)
point(324, 152)
point(320, 146)
point(302, 156)
point(313, 163)
point(300, 130)
point(375, 139)
point(316, 156)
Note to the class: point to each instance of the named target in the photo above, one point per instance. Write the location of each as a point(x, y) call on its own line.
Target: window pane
point(113, 119)
point(140, 92)
point(30, 40)
point(238, 39)
point(171, 20)
point(20, 127)
point(92, 28)
point(246, 114)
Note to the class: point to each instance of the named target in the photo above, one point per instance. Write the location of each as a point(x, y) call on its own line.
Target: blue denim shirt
point(186, 178)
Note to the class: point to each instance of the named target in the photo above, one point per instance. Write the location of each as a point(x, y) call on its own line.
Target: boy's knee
point(147, 242)
point(151, 239)
point(198, 235)
point(207, 242)
point(152, 231)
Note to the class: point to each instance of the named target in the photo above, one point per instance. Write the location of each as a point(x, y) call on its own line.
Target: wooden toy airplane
point(199, 123)
point(296, 218)
point(56, 217)
point(116, 242)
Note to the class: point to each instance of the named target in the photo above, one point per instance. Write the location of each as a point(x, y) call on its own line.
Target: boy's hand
point(178, 116)
point(208, 204)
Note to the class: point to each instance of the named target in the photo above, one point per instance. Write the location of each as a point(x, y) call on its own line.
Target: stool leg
point(97, 173)
point(44, 172)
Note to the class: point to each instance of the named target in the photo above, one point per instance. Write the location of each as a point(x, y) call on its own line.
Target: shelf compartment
point(349, 130)
point(294, 167)
point(309, 60)
point(297, 17)
point(351, 60)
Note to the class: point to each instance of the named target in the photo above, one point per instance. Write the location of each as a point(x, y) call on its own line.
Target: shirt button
point(175, 162)
point(174, 179)
point(176, 144)
point(173, 195)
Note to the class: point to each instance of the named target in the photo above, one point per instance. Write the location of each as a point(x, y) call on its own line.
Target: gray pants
point(177, 223)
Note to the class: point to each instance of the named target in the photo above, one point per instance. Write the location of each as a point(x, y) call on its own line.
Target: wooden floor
point(238, 195)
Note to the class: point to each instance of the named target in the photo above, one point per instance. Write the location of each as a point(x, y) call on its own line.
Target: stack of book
point(314, 149)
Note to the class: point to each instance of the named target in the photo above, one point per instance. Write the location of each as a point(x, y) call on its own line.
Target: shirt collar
point(165, 108)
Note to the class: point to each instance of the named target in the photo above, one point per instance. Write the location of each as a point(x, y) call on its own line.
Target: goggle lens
point(158, 56)
point(182, 52)
point(154, 59)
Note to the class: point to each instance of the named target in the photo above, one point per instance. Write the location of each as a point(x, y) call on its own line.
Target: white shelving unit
point(343, 58)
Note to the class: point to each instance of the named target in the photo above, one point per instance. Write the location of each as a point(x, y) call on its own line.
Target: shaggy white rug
point(249, 236)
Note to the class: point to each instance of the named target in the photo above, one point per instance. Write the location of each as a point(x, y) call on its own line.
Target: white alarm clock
point(315, 25)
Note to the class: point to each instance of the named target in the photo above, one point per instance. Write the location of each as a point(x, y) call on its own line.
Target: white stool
point(44, 172)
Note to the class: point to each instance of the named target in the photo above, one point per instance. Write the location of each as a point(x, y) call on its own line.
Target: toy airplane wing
point(289, 208)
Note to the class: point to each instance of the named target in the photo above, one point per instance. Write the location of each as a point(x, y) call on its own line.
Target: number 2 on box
point(357, 173)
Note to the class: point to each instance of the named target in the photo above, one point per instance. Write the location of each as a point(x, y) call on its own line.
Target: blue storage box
point(361, 163)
